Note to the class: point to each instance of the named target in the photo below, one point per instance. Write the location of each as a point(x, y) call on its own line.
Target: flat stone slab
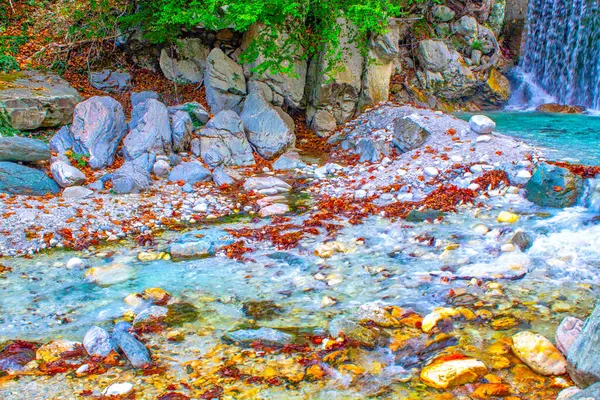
point(23, 149)
point(33, 100)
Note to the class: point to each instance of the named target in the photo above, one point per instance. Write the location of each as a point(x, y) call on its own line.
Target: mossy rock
point(181, 313)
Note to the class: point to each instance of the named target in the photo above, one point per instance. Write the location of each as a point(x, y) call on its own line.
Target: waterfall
point(561, 54)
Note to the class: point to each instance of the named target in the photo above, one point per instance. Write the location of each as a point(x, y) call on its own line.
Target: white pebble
point(75, 262)
point(118, 389)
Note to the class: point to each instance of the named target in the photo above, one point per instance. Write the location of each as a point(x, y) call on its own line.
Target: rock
point(138, 98)
point(448, 371)
point(507, 217)
point(18, 149)
point(225, 82)
point(16, 355)
point(481, 124)
point(110, 81)
point(76, 192)
point(189, 172)
point(52, 351)
point(150, 134)
point(157, 296)
point(466, 26)
point(590, 393)
point(433, 55)
point(182, 129)
point(196, 111)
point(118, 389)
point(323, 123)
point(538, 353)
point(288, 161)
point(220, 177)
point(75, 263)
point(180, 313)
point(351, 330)
point(261, 310)
point(270, 130)
point(18, 179)
point(567, 332)
point(568, 393)
point(33, 100)
point(267, 186)
point(151, 315)
point(423, 215)
point(185, 61)
point(190, 246)
point(130, 178)
point(135, 351)
point(223, 141)
point(97, 130)
point(375, 313)
point(560, 108)
point(522, 240)
point(66, 175)
point(265, 336)
point(552, 186)
point(442, 13)
point(408, 133)
point(161, 168)
point(431, 171)
point(109, 275)
point(274, 209)
point(97, 342)
point(583, 357)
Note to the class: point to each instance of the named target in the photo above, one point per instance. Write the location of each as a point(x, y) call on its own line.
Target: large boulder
point(590, 393)
point(182, 129)
point(270, 130)
point(18, 179)
point(189, 172)
point(185, 61)
point(150, 134)
point(223, 141)
point(33, 100)
point(110, 81)
point(279, 88)
point(553, 186)
point(23, 149)
point(98, 127)
point(66, 175)
point(433, 55)
point(131, 178)
point(583, 357)
point(408, 134)
point(225, 82)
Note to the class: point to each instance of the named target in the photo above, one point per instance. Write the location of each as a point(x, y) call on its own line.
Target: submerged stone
point(449, 371)
point(135, 351)
point(538, 353)
point(266, 336)
point(583, 357)
point(567, 332)
point(15, 355)
point(262, 310)
point(199, 244)
point(181, 313)
point(552, 186)
point(97, 342)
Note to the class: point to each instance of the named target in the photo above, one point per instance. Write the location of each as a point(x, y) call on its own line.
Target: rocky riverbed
point(429, 258)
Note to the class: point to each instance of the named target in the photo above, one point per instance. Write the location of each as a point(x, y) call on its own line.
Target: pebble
point(360, 194)
point(483, 139)
point(445, 373)
point(431, 171)
point(508, 247)
point(274, 209)
point(481, 229)
point(508, 217)
point(118, 389)
point(75, 262)
point(538, 353)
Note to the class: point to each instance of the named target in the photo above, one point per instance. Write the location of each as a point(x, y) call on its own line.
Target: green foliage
point(81, 160)
point(291, 29)
point(8, 64)
point(5, 127)
point(476, 45)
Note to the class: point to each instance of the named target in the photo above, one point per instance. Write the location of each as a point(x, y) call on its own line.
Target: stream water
point(40, 299)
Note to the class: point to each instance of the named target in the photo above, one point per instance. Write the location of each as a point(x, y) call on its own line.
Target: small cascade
point(527, 94)
point(591, 197)
point(561, 58)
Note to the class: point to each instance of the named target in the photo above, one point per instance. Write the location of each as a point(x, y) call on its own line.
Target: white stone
point(200, 207)
point(524, 174)
point(482, 124)
point(75, 262)
point(360, 194)
point(483, 139)
point(66, 175)
point(456, 158)
point(274, 209)
point(431, 171)
point(118, 389)
point(76, 192)
point(508, 247)
point(481, 229)
point(161, 168)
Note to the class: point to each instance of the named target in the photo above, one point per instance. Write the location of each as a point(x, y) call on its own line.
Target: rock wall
point(514, 25)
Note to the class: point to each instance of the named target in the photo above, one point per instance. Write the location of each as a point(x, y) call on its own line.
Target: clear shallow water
point(568, 137)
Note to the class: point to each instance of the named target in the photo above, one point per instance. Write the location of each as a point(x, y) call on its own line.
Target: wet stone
point(265, 336)
point(538, 353)
point(261, 310)
point(15, 355)
point(135, 351)
point(181, 313)
point(567, 332)
point(97, 342)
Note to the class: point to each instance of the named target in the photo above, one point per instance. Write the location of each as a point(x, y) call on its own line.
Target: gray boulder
point(268, 185)
point(23, 149)
point(223, 141)
point(266, 336)
point(97, 342)
point(590, 393)
point(196, 110)
point(466, 26)
point(185, 61)
point(33, 100)
point(161, 168)
point(135, 351)
point(567, 332)
point(150, 134)
point(225, 82)
point(220, 177)
point(442, 13)
point(189, 172)
point(110, 81)
point(140, 97)
point(433, 55)
point(182, 129)
point(270, 130)
point(97, 130)
point(131, 178)
point(583, 357)
point(288, 161)
point(66, 175)
point(408, 134)
point(18, 179)
point(553, 186)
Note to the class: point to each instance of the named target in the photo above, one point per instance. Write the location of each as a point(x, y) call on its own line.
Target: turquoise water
point(574, 138)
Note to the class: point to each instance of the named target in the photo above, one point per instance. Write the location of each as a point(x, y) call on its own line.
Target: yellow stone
point(500, 362)
point(491, 390)
point(269, 372)
point(133, 300)
point(508, 217)
point(52, 351)
point(448, 371)
point(156, 295)
point(354, 369)
point(499, 84)
point(129, 316)
point(538, 353)
point(315, 372)
point(150, 256)
point(431, 320)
